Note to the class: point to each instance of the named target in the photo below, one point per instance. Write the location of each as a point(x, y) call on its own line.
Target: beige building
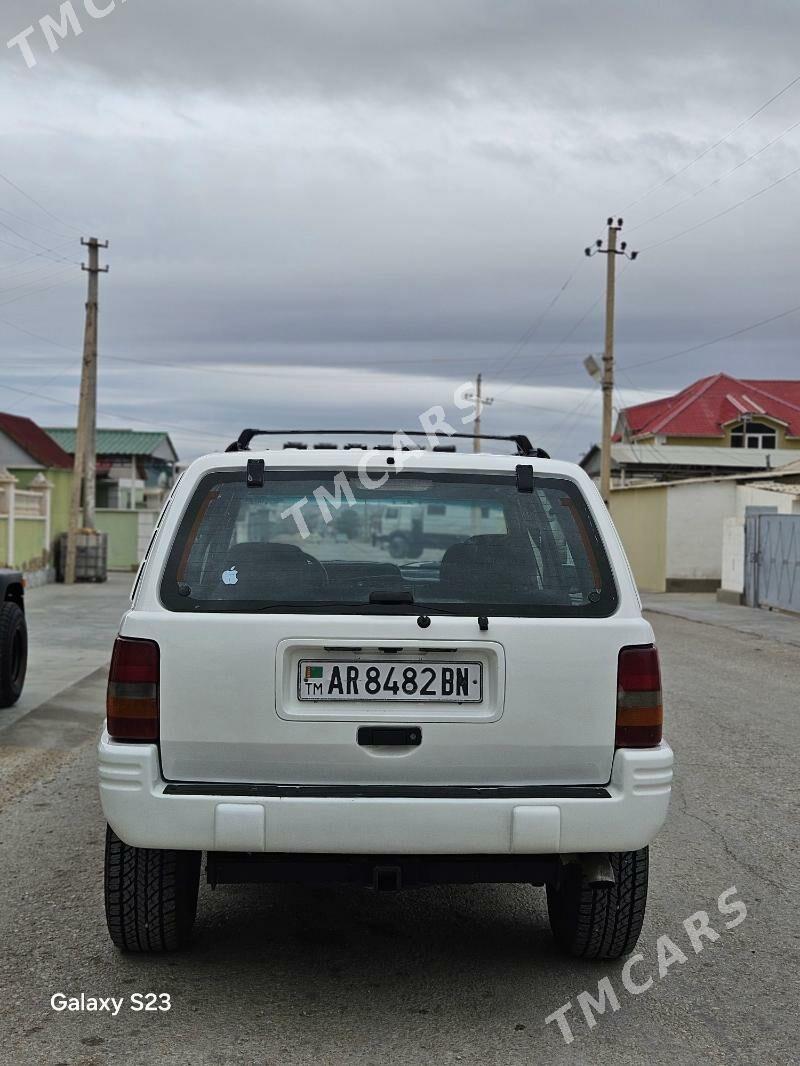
point(674, 533)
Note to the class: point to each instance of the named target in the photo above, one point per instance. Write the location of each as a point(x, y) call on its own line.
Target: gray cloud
point(389, 190)
point(419, 49)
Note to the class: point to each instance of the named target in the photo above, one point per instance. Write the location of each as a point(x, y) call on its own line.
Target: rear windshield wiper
point(391, 596)
point(301, 605)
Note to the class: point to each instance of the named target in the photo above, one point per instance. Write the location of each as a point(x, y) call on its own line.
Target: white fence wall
point(753, 496)
point(733, 555)
point(695, 517)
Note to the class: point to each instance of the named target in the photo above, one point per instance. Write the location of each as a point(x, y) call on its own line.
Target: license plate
point(392, 682)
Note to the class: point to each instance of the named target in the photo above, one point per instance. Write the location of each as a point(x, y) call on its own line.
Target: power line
point(716, 180)
point(659, 454)
point(37, 336)
point(194, 368)
point(35, 274)
point(632, 386)
point(36, 225)
point(55, 257)
point(30, 255)
point(716, 144)
point(259, 373)
point(536, 407)
point(696, 347)
point(27, 284)
point(264, 372)
point(573, 329)
point(24, 237)
point(716, 340)
point(41, 207)
point(720, 214)
point(554, 349)
point(533, 329)
point(573, 417)
point(55, 377)
point(36, 292)
point(108, 414)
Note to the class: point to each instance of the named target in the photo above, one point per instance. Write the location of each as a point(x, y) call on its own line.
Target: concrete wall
point(695, 516)
point(690, 536)
point(128, 531)
point(673, 535)
point(640, 516)
point(129, 534)
point(753, 496)
point(123, 537)
point(61, 480)
point(733, 535)
point(732, 568)
point(29, 549)
point(29, 546)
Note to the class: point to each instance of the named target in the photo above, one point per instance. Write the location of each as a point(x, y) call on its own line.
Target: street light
point(593, 368)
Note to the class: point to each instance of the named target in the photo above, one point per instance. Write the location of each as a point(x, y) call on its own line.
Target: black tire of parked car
point(597, 921)
point(151, 896)
point(13, 653)
point(398, 546)
point(402, 546)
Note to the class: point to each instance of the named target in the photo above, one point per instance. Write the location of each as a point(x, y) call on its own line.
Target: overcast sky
point(335, 212)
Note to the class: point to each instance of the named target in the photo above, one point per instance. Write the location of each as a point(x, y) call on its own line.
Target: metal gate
point(772, 561)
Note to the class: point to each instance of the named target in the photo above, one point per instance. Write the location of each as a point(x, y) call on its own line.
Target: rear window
point(320, 541)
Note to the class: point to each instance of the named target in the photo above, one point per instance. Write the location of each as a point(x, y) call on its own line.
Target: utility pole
point(85, 462)
point(481, 401)
point(611, 252)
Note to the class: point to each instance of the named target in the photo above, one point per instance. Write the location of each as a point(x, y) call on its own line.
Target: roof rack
point(242, 443)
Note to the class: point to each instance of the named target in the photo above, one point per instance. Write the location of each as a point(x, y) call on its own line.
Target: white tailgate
point(230, 710)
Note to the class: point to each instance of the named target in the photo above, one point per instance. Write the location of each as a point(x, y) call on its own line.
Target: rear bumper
point(145, 811)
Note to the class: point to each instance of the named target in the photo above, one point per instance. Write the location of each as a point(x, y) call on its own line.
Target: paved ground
point(703, 607)
point(70, 633)
point(449, 976)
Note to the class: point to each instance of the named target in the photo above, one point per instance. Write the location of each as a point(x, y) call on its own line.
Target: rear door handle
point(394, 736)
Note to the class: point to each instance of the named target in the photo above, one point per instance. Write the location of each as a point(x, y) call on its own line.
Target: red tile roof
point(39, 445)
point(703, 408)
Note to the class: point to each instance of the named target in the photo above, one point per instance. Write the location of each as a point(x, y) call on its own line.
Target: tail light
point(132, 700)
point(640, 712)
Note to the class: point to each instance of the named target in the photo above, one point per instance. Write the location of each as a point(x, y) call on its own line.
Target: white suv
point(292, 699)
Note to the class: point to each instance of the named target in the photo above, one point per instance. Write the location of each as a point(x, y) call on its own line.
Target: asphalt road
point(467, 975)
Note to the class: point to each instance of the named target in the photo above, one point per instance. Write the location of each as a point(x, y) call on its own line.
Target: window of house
point(754, 435)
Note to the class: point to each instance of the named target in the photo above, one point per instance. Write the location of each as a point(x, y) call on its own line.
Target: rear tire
point(13, 652)
point(592, 922)
point(151, 896)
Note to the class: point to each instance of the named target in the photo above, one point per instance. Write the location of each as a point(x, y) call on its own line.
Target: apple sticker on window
point(230, 577)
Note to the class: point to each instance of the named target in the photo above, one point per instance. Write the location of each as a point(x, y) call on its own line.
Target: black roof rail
point(243, 441)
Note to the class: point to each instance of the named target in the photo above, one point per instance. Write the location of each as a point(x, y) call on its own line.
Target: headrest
point(487, 552)
point(253, 554)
